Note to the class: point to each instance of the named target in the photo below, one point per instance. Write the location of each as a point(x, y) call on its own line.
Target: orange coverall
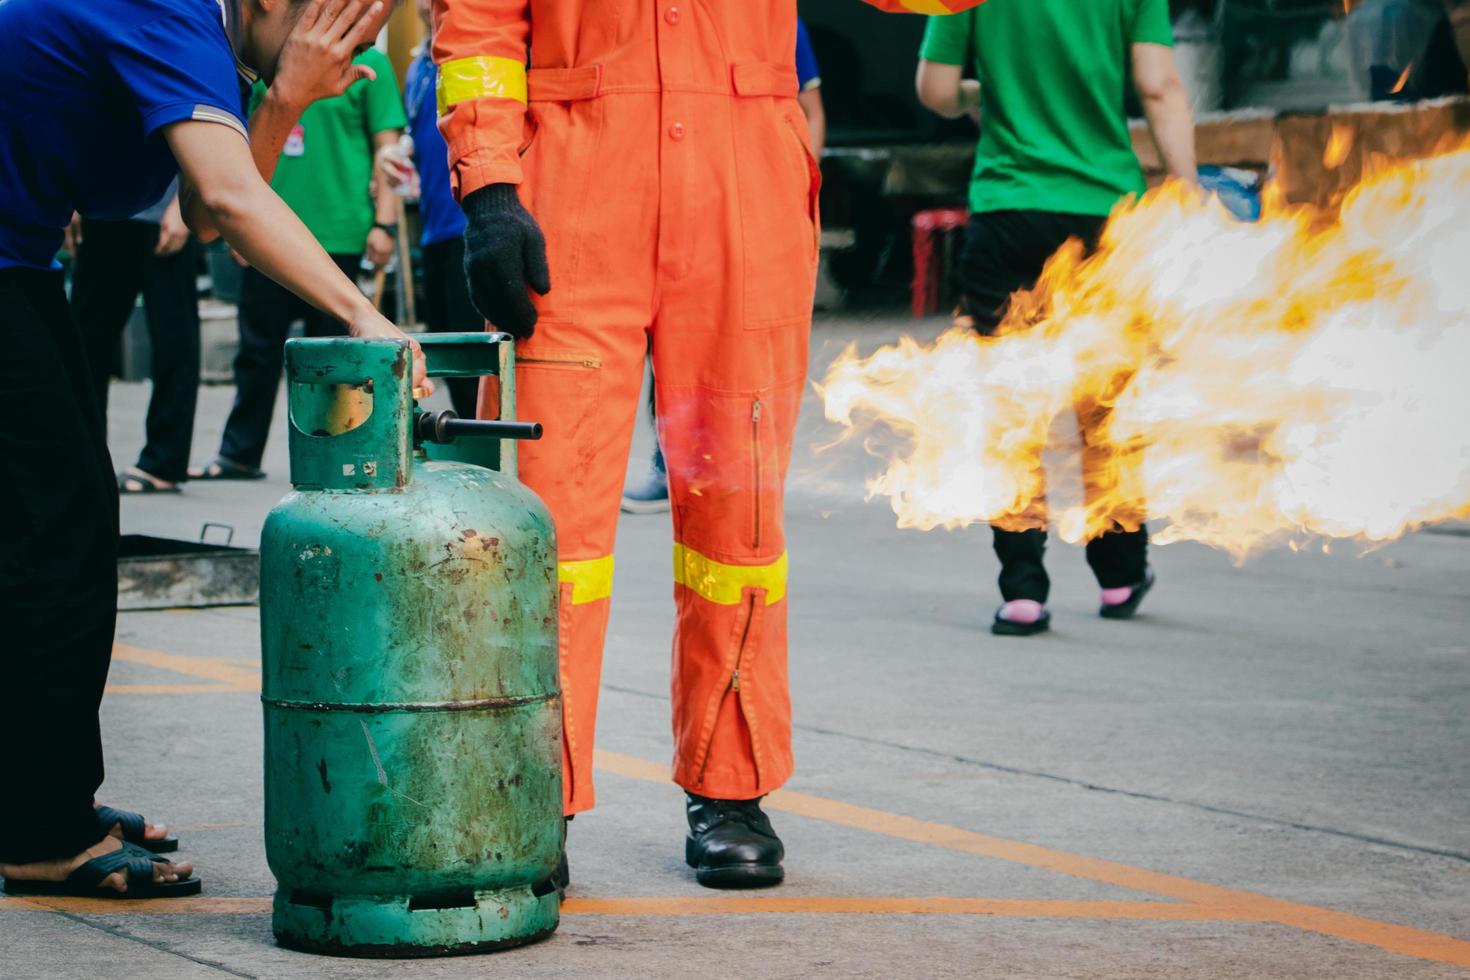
point(659, 145)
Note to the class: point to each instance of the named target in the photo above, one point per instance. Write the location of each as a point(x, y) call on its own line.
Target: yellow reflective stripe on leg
point(723, 584)
point(926, 6)
point(591, 579)
point(485, 76)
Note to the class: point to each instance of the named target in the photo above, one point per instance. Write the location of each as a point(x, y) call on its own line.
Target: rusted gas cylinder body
point(410, 683)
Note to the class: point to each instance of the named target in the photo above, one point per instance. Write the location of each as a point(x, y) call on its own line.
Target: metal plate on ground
point(163, 573)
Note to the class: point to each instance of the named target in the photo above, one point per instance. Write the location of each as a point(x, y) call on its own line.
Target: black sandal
point(223, 469)
point(1126, 609)
point(135, 862)
point(133, 827)
point(135, 481)
point(1001, 626)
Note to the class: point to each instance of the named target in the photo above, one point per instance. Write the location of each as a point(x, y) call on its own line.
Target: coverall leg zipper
point(732, 686)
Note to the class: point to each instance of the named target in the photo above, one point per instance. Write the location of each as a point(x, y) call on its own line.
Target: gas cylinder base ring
point(413, 926)
point(406, 951)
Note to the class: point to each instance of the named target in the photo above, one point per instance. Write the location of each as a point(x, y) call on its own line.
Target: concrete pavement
point(1265, 775)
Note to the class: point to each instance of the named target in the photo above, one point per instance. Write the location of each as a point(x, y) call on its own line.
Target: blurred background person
point(423, 159)
point(1053, 160)
point(151, 253)
point(650, 494)
point(325, 174)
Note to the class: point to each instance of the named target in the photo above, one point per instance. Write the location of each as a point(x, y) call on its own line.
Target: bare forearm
point(943, 89)
point(816, 119)
point(268, 235)
point(385, 205)
point(270, 126)
point(385, 199)
point(950, 105)
point(1172, 127)
point(196, 215)
point(259, 225)
point(263, 229)
point(221, 188)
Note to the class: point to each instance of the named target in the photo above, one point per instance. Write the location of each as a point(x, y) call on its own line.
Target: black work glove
point(504, 252)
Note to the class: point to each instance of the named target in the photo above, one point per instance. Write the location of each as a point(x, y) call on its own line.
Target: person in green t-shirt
point(325, 174)
point(1053, 160)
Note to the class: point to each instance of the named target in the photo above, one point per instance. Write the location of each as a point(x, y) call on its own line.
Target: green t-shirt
point(1053, 134)
point(326, 169)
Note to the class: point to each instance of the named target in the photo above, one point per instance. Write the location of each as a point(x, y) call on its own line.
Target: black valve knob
point(445, 427)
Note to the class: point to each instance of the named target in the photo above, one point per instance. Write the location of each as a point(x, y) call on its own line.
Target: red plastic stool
point(929, 275)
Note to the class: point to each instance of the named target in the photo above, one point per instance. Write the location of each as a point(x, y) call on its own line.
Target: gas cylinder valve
point(446, 426)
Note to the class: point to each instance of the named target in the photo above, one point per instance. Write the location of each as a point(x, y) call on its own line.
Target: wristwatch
point(392, 230)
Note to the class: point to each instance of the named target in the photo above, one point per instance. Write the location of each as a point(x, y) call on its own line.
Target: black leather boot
point(731, 844)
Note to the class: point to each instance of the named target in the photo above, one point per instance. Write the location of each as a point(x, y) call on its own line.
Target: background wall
point(868, 60)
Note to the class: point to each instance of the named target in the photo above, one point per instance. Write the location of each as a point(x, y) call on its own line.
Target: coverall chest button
point(672, 15)
point(676, 131)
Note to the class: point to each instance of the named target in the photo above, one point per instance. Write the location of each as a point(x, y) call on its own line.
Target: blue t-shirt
point(442, 216)
point(807, 75)
point(88, 85)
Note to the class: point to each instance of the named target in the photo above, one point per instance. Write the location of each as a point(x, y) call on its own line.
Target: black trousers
point(267, 310)
point(1004, 253)
point(114, 264)
point(448, 309)
point(58, 574)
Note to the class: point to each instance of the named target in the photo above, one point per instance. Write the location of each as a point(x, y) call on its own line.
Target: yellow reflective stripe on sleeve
point(484, 76)
point(723, 584)
point(591, 579)
point(926, 6)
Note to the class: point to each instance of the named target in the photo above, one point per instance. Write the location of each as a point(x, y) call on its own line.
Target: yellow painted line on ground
point(683, 906)
point(228, 676)
point(848, 905)
point(195, 905)
point(1222, 902)
point(171, 689)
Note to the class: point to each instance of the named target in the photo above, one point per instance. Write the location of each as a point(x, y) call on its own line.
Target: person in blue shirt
point(650, 493)
point(447, 306)
point(106, 101)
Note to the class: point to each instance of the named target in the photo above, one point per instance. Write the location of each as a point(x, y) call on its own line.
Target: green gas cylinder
point(413, 801)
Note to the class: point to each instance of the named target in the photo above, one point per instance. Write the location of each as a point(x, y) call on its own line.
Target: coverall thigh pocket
point(559, 388)
point(778, 184)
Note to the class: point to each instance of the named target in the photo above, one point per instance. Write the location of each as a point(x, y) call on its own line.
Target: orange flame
point(1339, 145)
point(1403, 79)
point(1247, 384)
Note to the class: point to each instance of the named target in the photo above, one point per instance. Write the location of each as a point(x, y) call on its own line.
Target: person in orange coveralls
point(648, 176)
